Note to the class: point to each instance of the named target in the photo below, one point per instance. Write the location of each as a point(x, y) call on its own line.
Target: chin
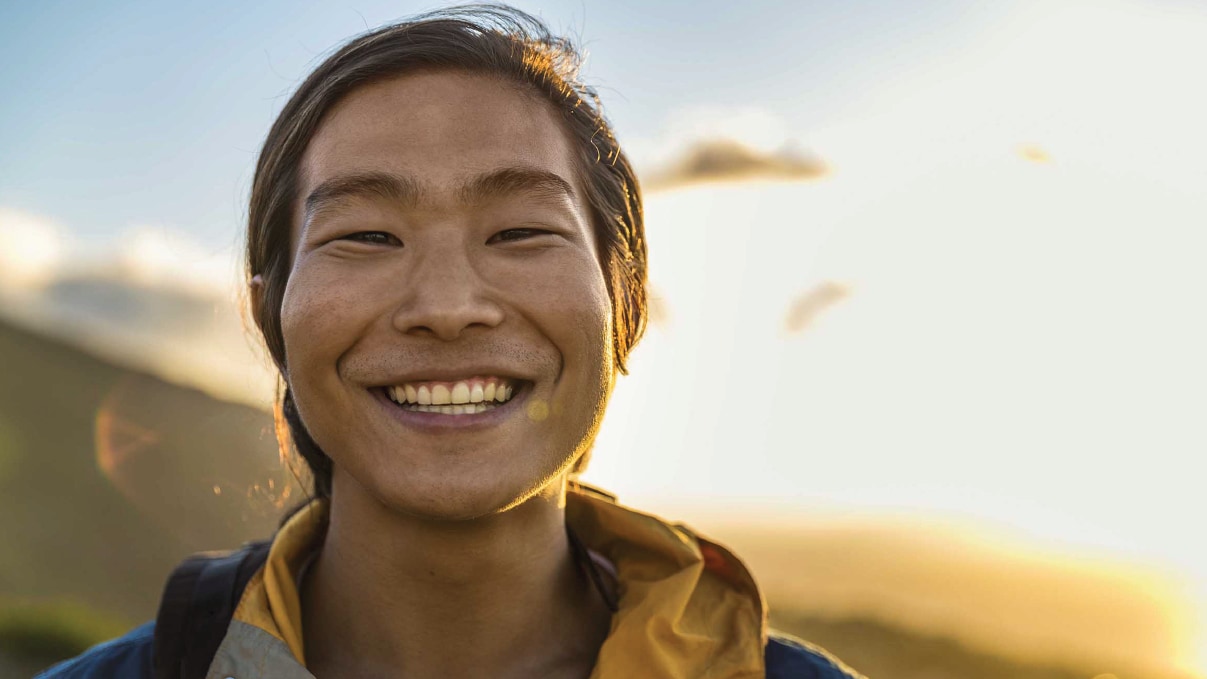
point(463, 497)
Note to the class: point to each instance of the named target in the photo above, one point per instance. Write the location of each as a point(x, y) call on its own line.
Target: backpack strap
point(198, 603)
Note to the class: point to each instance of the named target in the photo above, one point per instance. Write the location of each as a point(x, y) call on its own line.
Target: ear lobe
point(257, 296)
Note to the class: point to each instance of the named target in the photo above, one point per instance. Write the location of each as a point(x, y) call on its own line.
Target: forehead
point(438, 128)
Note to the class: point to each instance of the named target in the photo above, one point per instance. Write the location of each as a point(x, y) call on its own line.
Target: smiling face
point(442, 252)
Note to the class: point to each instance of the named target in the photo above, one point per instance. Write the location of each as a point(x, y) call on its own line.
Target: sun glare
point(1019, 234)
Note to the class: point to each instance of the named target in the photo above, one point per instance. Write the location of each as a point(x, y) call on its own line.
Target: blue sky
point(121, 114)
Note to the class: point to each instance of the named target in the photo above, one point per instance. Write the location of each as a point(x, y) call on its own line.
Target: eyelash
point(530, 231)
point(383, 238)
point(360, 236)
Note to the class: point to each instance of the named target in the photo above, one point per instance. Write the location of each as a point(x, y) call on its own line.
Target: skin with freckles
point(441, 232)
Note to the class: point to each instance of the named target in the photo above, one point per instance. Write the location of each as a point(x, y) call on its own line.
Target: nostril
point(446, 310)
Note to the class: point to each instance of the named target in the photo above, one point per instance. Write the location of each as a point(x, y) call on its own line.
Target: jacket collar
point(688, 607)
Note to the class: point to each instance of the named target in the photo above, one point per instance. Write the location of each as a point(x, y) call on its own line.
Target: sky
point(150, 113)
point(990, 309)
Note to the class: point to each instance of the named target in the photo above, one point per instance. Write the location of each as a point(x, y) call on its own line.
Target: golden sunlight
point(1023, 344)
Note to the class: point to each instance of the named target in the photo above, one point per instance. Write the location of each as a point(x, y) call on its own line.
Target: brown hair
point(493, 40)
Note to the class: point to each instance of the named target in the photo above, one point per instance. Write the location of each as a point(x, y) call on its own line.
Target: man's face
point(443, 253)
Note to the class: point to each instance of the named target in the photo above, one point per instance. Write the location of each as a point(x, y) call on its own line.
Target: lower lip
point(440, 422)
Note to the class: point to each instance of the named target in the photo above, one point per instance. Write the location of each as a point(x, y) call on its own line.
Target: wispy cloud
point(36, 253)
point(723, 144)
point(805, 308)
point(159, 256)
point(31, 249)
point(1034, 153)
point(725, 160)
point(155, 298)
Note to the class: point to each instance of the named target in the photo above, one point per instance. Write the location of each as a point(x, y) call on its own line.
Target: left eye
point(517, 234)
point(371, 237)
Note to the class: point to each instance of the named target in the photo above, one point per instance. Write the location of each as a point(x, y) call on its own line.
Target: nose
point(444, 295)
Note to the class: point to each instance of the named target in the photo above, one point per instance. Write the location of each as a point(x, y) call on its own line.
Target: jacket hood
point(687, 606)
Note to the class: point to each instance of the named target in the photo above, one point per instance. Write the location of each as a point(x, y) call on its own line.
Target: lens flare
point(119, 440)
point(197, 467)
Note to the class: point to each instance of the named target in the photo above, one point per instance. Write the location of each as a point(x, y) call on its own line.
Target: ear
point(256, 296)
point(256, 300)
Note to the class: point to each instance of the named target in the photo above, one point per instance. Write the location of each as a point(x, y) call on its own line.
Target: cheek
point(587, 354)
point(576, 293)
point(575, 311)
point(318, 319)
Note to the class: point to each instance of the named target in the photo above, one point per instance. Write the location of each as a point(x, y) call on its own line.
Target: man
point(447, 264)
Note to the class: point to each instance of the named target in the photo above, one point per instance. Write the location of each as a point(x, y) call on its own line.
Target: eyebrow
point(511, 180)
point(361, 185)
point(408, 192)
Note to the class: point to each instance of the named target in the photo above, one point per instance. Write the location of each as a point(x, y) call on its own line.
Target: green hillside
point(108, 476)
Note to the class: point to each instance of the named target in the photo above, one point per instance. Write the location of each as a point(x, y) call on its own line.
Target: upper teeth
point(474, 390)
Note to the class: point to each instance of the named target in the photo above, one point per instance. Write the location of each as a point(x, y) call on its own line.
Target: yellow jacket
point(688, 608)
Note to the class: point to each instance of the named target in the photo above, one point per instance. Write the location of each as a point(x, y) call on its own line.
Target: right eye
point(372, 238)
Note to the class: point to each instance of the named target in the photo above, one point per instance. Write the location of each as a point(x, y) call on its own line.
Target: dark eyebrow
point(510, 180)
point(405, 190)
point(367, 184)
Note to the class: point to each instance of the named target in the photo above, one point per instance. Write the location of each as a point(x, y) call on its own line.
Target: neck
point(501, 595)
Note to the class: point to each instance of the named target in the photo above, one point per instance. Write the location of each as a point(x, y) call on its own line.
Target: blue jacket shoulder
point(791, 658)
point(125, 657)
point(130, 657)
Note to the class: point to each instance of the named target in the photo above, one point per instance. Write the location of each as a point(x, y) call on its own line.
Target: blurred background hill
point(109, 476)
point(147, 472)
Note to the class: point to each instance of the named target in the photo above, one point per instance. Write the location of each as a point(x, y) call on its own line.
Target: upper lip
point(446, 374)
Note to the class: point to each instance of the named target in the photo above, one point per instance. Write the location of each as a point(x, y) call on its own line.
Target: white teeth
point(440, 395)
point(440, 398)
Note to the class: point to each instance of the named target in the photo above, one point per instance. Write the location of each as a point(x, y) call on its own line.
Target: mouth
point(459, 398)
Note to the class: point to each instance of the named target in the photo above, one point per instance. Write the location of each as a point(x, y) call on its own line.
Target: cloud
point(36, 253)
point(1034, 153)
point(805, 308)
point(155, 256)
point(722, 144)
point(111, 297)
point(659, 310)
point(154, 298)
point(726, 160)
point(31, 249)
point(184, 333)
